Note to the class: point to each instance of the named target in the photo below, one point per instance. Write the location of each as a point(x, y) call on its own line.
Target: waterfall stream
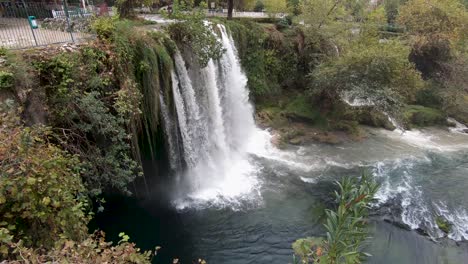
point(217, 127)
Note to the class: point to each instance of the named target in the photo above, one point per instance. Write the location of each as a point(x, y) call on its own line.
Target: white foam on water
point(309, 180)
point(416, 211)
point(354, 99)
point(458, 128)
point(457, 218)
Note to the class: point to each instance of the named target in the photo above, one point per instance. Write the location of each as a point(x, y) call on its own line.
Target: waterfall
point(217, 128)
point(170, 133)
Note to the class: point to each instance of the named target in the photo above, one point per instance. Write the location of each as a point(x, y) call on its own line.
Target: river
point(230, 196)
point(422, 175)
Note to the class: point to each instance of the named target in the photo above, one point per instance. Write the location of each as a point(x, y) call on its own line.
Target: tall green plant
point(346, 225)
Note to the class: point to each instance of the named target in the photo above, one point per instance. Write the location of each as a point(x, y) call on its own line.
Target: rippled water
point(422, 174)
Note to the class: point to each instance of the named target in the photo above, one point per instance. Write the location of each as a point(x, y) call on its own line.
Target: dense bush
point(377, 71)
point(436, 29)
point(259, 6)
point(416, 115)
point(93, 249)
point(268, 57)
point(197, 35)
point(42, 197)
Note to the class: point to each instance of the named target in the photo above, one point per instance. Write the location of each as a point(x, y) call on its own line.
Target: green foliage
point(420, 116)
point(273, 7)
point(302, 108)
point(377, 16)
point(294, 7)
point(391, 10)
point(250, 39)
point(195, 34)
point(6, 80)
point(125, 8)
point(86, 123)
point(432, 20)
point(346, 226)
point(93, 249)
point(267, 55)
point(304, 246)
point(41, 193)
point(104, 100)
point(443, 224)
point(377, 71)
point(327, 24)
point(14, 73)
point(437, 30)
point(104, 26)
point(452, 91)
point(259, 6)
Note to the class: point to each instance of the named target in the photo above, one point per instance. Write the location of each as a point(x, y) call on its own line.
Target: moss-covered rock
point(302, 109)
point(443, 224)
point(421, 116)
point(374, 118)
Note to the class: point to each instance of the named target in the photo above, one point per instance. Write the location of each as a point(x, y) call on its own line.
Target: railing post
point(30, 26)
point(65, 7)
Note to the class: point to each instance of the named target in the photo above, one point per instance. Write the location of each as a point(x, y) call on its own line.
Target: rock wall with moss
point(77, 121)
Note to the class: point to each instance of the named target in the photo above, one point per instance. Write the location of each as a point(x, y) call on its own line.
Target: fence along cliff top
point(26, 24)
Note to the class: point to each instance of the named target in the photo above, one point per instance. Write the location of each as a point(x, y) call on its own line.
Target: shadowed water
point(296, 186)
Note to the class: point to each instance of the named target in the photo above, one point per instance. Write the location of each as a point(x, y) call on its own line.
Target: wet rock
point(398, 223)
point(443, 224)
point(295, 141)
point(276, 139)
point(327, 137)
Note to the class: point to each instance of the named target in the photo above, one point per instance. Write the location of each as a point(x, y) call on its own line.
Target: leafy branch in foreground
point(346, 226)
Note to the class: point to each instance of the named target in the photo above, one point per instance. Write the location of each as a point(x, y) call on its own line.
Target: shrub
point(380, 72)
point(437, 28)
point(104, 27)
point(6, 80)
point(259, 6)
point(41, 193)
point(197, 35)
point(346, 226)
point(421, 116)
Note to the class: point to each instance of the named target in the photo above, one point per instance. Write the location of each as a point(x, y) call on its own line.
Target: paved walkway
point(161, 20)
point(16, 33)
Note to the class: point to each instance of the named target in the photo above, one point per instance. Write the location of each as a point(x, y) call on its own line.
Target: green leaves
point(379, 71)
point(6, 79)
point(195, 34)
point(123, 237)
point(346, 225)
point(47, 206)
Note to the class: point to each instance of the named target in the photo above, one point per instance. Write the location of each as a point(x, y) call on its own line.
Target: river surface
point(423, 174)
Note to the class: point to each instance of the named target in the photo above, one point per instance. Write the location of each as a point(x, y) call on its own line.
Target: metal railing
point(28, 24)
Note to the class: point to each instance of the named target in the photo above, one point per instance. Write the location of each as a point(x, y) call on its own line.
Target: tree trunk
point(230, 7)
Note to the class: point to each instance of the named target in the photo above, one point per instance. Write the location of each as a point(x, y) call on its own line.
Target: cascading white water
point(170, 133)
point(217, 128)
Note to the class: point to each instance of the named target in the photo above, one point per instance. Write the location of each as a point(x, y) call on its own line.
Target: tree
point(391, 10)
point(436, 29)
point(230, 7)
point(274, 7)
point(259, 6)
point(369, 69)
point(125, 7)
